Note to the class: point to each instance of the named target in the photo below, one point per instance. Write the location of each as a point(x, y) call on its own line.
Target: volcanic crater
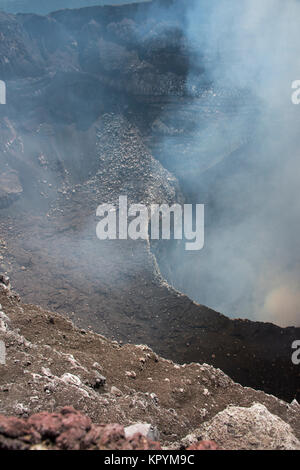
point(91, 100)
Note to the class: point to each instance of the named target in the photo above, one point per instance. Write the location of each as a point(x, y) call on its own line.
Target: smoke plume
point(250, 266)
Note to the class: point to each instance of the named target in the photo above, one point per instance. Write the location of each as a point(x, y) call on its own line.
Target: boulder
point(254, 428)
point(146, 429)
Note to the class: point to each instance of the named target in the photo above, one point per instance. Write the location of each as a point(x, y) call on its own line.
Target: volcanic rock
point(51, 366)
point(254, 428)
point(66, 430)
point(145, 429)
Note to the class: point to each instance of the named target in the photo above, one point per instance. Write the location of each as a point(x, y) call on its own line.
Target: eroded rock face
point(254, 428)
point(18, 57)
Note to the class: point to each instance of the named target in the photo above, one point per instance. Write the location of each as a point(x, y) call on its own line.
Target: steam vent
point(149, 227)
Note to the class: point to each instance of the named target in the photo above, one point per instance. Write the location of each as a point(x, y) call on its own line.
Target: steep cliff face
point(19, 57)
point(91, 96)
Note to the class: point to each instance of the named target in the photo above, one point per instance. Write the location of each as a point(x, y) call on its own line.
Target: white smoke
point(251, 264)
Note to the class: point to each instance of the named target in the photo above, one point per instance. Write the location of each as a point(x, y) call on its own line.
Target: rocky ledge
point(50, 364)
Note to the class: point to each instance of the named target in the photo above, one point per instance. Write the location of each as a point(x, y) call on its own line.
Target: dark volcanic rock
point(18, 55)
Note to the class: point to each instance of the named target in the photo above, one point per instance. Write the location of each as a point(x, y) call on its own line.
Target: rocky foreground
point(71, 430)
point(51, 364)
